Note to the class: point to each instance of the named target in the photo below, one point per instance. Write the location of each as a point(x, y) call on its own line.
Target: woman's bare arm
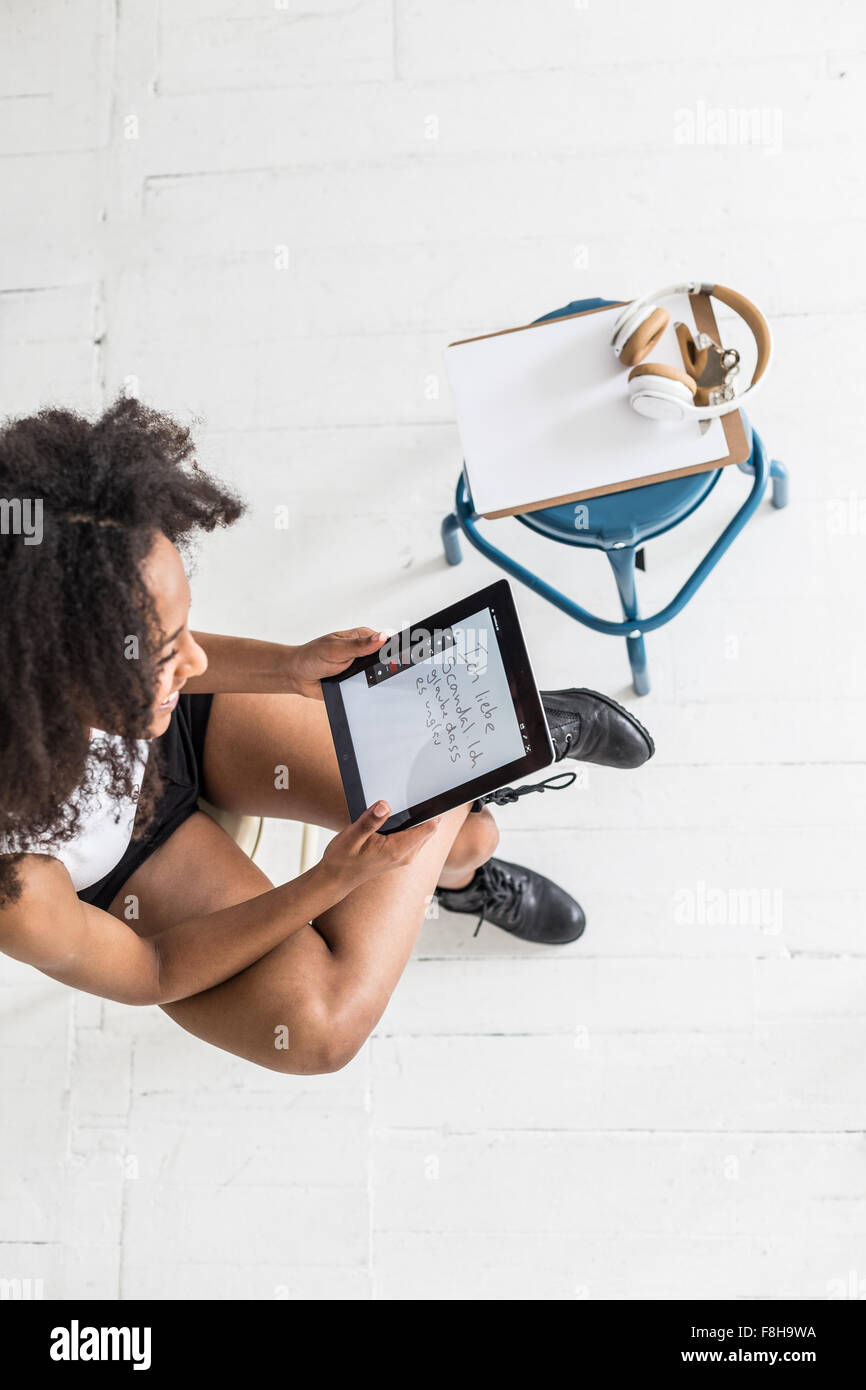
point(82, 946)
point(246, 666)
point(242, 665)
point(50, 928)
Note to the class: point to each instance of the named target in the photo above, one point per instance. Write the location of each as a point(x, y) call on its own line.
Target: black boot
point(594, 729)
point(520, 901)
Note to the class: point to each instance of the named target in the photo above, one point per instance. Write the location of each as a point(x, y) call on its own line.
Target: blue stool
point(619, 523)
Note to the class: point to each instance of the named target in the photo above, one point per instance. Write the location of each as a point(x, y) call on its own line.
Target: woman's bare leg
point(325, 987)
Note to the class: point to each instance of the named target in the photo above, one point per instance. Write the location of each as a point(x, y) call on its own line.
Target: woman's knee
point(477, 841)
point(324, 1036)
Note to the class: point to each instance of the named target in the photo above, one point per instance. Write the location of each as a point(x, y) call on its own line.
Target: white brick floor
point(673, 1106)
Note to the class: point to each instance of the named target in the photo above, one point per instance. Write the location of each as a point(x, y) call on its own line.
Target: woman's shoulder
point(31, 922)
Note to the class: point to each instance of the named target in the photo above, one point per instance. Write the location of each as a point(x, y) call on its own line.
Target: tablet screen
point(422, 726)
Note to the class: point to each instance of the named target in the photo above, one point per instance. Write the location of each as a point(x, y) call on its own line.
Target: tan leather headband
point(754, 318)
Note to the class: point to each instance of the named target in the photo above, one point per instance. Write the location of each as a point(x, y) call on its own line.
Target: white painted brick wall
point(668, 1107)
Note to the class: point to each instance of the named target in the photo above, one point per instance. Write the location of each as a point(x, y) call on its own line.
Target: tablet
point(444, 712)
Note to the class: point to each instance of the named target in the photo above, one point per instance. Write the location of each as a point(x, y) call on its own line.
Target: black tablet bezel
point(522, 687)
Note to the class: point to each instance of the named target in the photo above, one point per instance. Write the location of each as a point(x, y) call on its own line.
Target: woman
point(117, 717)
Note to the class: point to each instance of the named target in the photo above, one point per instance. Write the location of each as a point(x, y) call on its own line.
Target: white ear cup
point(630, 320)
point(660, 398)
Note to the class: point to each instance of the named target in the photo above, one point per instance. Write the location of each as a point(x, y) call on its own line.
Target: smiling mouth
point(171, 701)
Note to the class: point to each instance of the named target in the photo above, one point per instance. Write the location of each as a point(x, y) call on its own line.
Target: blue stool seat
point(629, 517)
point(619, 523)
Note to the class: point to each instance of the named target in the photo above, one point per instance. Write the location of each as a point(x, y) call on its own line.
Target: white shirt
point(104, 825)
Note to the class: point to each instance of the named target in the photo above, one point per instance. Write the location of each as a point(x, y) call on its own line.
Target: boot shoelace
point(558, 782)
point(569, 736)
point(501, 890)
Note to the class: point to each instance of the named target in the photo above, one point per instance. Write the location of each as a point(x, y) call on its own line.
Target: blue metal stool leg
point(451, 539)
point(758, 467)
point(776, 470)
point(622, 563)
point(779, 475)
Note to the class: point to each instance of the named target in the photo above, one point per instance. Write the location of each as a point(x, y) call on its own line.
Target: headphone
point(704, 389)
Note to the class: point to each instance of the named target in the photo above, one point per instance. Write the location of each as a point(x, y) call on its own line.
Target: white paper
point(545, 412)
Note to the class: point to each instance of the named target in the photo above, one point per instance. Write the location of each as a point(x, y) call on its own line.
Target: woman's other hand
point(328, 656)
point(359, 853)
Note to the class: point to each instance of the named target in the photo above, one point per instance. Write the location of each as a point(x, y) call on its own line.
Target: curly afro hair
point(71, 597)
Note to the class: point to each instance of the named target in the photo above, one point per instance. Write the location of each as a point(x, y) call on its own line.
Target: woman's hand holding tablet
point(358, 853)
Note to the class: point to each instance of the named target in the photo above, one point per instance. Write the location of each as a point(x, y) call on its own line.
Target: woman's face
point(180, 656)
